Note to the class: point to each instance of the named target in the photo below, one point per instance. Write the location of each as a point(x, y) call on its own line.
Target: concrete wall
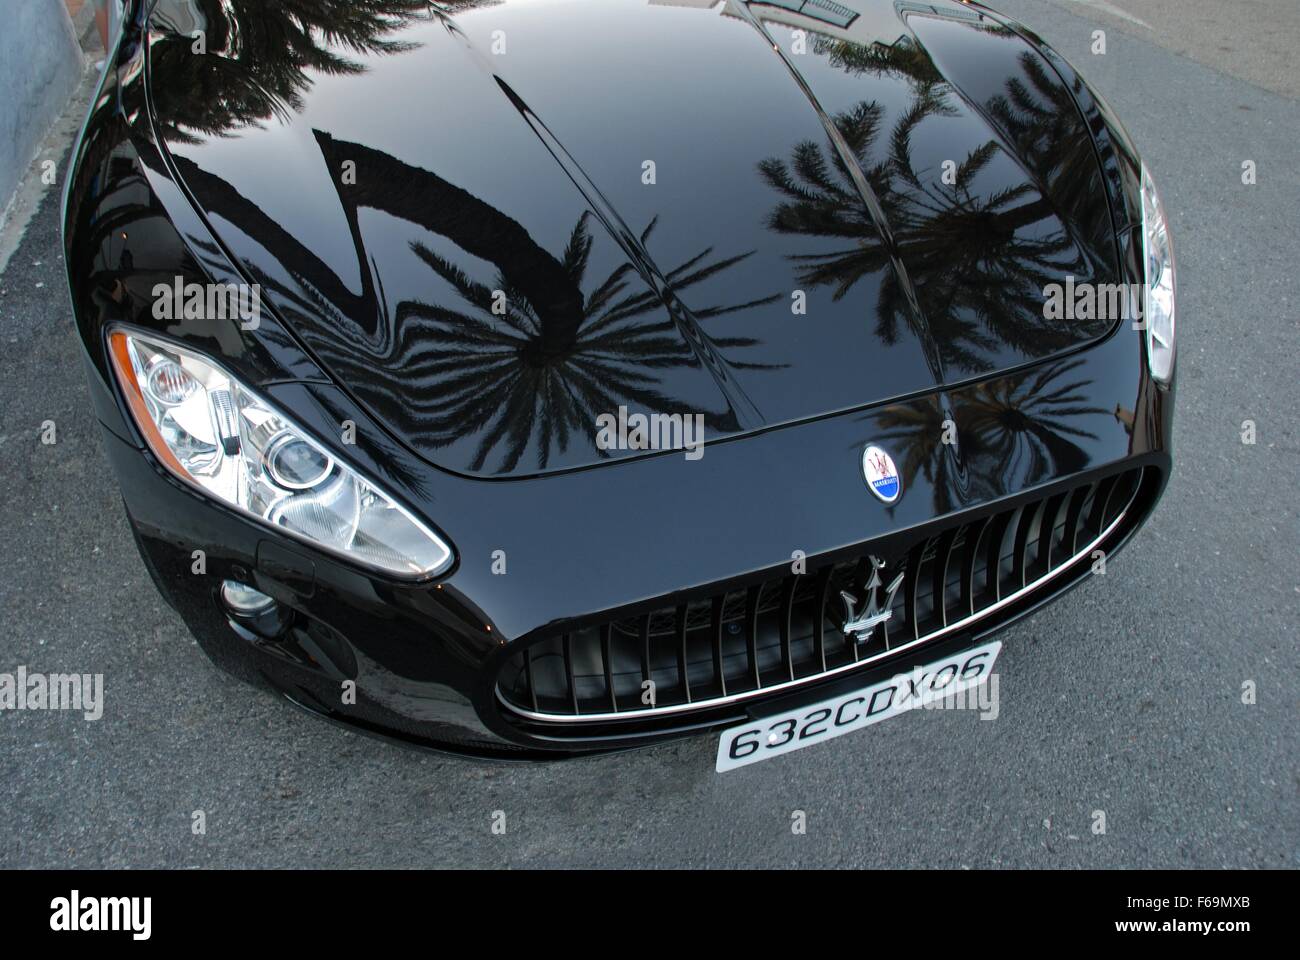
point(40, 65)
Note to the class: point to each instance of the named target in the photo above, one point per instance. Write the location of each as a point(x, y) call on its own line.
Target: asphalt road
point(1126, 697)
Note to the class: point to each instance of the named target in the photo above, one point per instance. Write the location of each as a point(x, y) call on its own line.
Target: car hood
point(495, 222)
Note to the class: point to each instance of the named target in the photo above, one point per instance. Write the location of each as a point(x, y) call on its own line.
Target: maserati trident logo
point(874, 612)
point(882, 476)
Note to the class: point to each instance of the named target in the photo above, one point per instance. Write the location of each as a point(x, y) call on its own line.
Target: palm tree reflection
point(1038, 114)
point(528, 382)
point(260, 58)
point(1023, 429)
point(978, 257)
point(515, 380)
point(1015, 431)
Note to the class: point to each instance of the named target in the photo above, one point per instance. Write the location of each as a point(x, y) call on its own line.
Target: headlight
point(214, 433)
point(1161, 288)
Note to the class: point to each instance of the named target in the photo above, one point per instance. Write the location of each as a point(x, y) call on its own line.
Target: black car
point(540, 378)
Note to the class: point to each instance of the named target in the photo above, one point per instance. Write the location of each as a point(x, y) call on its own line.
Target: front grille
point(788, 630)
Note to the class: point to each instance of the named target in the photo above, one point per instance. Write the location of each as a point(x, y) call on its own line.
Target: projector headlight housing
point(214, 433)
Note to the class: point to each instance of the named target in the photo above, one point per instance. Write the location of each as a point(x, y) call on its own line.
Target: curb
point(58, 131)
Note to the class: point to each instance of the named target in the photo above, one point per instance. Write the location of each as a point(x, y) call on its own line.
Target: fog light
point(242, 600)
point(252, 614)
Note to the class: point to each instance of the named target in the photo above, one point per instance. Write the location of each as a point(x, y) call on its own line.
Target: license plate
point(782, 733)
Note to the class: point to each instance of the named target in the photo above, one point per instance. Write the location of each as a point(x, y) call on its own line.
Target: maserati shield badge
point(882, 476)
point(862, 626)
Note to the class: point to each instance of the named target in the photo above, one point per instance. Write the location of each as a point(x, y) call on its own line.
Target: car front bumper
point(420, 661)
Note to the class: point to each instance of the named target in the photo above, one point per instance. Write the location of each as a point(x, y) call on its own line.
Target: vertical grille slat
point(568, 672)
point(1020, 554)
point(993, 553)
point(715, 630)
point(1073, 515)
point(643, 645)
point(606, 663)
point(528, 677)
point(912, 585)
point(819, 625)
point(1047, 531)
point(969, 563)
point(939, 575)
point(787, 613)
point(1101, 503)
point(683, 667)
point(1127, 489)
point(752, 596)
point(769, 636)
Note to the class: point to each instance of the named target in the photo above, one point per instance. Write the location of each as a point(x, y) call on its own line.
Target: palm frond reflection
point(230, 64)
point(1014, 432)
point(978, 245)
point(490, 368)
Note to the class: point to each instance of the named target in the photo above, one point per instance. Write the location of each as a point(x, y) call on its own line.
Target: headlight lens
point(1161, 286)
point(211, 431)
